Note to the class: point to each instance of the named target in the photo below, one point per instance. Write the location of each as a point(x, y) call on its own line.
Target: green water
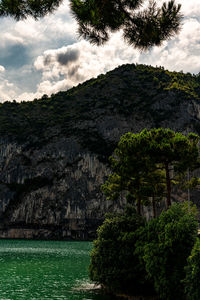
point(46, 270)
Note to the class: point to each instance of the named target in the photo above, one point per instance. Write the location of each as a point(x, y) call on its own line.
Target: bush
point(164, 246)
point(133, 257)
point(192, 279)
point(114, 263)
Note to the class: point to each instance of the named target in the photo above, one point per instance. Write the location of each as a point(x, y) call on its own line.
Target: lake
point(46, 270)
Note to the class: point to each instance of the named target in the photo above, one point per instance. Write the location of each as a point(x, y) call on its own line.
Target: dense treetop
point(148, 164)
point(139, 258)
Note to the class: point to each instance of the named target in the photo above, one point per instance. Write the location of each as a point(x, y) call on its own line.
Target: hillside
point(54, 151)
point(151, 93)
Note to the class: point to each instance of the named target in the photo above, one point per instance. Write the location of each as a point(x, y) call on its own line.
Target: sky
point(47, 56)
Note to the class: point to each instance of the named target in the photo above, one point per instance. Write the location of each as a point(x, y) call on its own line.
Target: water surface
point(46, 270)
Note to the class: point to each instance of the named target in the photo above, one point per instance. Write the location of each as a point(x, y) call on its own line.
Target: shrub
point(114, 263)
point(192, 279)
point(133, 257)
point(164, 246)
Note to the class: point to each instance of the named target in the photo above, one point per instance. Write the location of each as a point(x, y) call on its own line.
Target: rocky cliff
point(54, 151)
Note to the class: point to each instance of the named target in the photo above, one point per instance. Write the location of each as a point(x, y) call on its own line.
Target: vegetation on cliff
point(143, 91)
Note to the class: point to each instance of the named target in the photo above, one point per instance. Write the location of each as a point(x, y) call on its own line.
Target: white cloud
point(58, 60)
point(7, 91)
point(8, 38)
point(42, 34)
point(81, 61)
point(190, 7)
point(2, 69)
point(182, 53)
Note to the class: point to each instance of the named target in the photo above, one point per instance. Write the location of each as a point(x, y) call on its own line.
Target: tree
point(141, 28)
point(155, 187)
point(149, 163)
point(21, 9)
point(96, 18)
point(133, 172)
point(174, 153)
point(192, 279)
point(164, 245)
point(114, 263)
point(139, 258)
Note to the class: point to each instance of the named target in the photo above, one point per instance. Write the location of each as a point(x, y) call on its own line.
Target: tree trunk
point(154, 207)
point(168, 182)
point(139, 206)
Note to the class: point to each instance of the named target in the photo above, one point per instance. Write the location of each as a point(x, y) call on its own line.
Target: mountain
point(54, 150)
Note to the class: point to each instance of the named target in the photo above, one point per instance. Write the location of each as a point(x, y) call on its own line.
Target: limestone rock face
point(50, 174)
point(52, 192)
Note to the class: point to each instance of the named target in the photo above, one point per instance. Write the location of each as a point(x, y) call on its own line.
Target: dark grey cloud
point(71, 55)
point(47, 60)
point(73, 71)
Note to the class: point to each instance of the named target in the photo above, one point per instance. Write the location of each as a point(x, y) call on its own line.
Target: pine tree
point(141, 28)
point(146, 165)
point(21, 9)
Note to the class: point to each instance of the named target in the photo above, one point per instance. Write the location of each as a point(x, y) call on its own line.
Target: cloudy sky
point(46, 56)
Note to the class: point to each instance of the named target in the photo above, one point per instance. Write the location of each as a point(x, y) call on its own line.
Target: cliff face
point(51, 192)
point(54, 151)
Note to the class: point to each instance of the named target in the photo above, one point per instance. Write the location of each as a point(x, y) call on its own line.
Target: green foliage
point(134, 257)
point(143, 163)
point(21, 9)
point(192, 279)
point(96, 18)
point(141, 28)
point(133, 171)
point(164, 246)
point(113, 261)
